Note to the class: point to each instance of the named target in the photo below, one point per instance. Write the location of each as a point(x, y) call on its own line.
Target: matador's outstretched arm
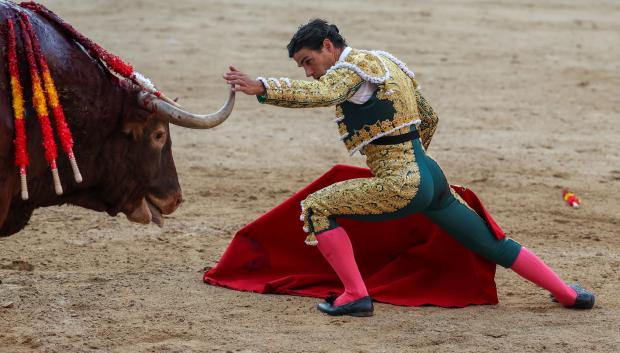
point(333, 88)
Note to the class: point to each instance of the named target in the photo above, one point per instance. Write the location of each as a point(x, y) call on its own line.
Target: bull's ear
point(135, 122)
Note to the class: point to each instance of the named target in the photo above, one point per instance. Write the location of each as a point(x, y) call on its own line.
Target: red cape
point(408, 261)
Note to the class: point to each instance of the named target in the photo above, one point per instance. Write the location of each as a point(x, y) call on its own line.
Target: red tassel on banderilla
point(17, 94)
point(40, 106)
point(34, 55)
point(66, 140)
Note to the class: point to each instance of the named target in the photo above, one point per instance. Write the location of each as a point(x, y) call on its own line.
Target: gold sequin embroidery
point(338, 85)
point(429, 119)
point(395, 183)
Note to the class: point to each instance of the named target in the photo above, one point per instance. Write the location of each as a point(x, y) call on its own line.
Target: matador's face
point(316, 62)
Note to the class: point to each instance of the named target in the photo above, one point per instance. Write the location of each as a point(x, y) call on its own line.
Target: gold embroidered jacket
point(399, 101)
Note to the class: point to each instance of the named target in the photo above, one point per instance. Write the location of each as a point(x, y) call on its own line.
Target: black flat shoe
point(585, 299)
point(360, 307)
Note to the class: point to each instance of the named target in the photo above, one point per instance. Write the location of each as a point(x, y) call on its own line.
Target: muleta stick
point(17, 98)
point(40, 106)
point(62, 129)
point(113, 62)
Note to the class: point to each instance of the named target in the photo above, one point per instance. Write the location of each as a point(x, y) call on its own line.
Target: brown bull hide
point(125, 156)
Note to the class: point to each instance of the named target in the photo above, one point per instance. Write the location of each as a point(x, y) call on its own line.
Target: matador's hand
point(243, 83)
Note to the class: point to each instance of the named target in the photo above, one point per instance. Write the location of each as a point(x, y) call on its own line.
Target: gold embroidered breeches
point(395, 184)
point(405, 181)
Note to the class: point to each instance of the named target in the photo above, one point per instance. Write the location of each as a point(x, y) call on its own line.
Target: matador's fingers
point(239, 82)
point(235, 75)
point(246, 90)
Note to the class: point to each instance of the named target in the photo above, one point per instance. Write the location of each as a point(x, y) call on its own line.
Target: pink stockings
point(530, 267)
point(336, 247)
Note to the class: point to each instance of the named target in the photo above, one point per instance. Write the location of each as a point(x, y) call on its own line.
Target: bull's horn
point(177, 116)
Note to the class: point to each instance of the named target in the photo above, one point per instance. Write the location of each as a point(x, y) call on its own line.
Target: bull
point(122, 137)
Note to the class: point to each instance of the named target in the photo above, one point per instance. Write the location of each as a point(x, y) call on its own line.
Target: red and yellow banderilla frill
point(40, 106)
point(62, 129)
point(21, 150)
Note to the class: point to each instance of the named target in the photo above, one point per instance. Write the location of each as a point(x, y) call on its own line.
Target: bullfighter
point(381, 113)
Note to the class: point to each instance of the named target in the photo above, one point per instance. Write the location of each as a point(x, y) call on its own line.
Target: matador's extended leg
point(407, 181)
point(396, 184)
point(466, 226)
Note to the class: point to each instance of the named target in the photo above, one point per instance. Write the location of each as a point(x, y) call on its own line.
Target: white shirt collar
point(344, 53)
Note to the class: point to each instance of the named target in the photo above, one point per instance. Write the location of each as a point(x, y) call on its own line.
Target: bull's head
point(150, 187)
point(121, 134)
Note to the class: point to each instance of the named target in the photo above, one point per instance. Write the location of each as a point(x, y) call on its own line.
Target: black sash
point(394, 140)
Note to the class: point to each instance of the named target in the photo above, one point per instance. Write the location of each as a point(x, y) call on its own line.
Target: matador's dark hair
point(312, 34)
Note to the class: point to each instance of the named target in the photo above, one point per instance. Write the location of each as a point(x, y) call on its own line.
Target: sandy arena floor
point(527, 94)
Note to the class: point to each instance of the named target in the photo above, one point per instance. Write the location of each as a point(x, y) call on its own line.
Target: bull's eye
point(159, 136)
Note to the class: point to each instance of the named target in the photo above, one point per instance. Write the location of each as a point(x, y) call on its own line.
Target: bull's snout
point(167, 204)
point(175, 201)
